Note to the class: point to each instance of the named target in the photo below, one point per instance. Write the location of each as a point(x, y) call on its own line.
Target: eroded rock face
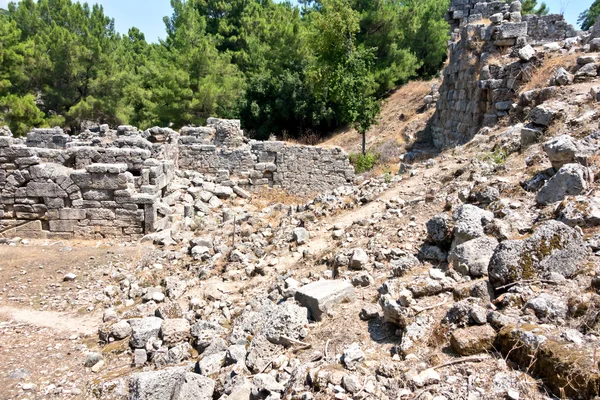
point(554, 248)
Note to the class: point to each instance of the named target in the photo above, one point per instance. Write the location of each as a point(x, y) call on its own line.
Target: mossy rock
point(554, 248)
point(567, 370)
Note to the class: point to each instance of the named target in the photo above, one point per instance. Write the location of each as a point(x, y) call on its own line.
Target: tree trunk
point(364, 143)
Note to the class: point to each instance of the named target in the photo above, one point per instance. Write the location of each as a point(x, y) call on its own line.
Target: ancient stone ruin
point(478, 90)
point(112, 183)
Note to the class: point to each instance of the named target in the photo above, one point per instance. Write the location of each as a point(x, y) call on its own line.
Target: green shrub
point(363, 163)
point(498, 156)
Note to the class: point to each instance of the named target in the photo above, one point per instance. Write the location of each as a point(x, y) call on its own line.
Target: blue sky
point(147, 15)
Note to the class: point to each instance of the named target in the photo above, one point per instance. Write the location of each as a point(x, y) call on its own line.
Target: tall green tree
point(531, 7)
point(588, 18)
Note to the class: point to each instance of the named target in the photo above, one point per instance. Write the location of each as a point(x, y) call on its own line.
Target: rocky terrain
point(471, 274)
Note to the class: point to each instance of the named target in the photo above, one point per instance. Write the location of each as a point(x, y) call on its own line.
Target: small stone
point(98, 366)
point(300, 235)
point(92, 359)
point(369, 312)
point(526, 53)
point(359, 259)
point(140, 357)
point(352, 356)
point(69, 277)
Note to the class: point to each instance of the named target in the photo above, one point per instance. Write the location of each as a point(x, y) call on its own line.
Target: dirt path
point(63, 322)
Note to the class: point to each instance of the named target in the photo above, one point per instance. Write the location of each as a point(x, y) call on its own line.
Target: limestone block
point(319, 297)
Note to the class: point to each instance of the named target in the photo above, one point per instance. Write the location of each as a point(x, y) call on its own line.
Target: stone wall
point(477, 90)
point(112, 183)
point(82, 192)
point(300, 169)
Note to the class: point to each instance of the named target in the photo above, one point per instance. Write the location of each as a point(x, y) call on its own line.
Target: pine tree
point(588, 18)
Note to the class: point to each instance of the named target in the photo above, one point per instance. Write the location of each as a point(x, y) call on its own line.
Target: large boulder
point(472, 257)
point(470, 222)
point(570, 180)
point(554, 248)
point(173, 383)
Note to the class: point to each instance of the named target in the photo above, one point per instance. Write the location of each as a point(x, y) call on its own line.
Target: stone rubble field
point(473, 273)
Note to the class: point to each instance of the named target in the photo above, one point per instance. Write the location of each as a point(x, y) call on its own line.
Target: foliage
point(363, 163)
point(588, 18)
point(282, 69)
point(529, 7)
point(498, 156)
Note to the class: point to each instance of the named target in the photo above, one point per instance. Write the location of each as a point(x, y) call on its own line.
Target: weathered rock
point(562, 77)
point(403, 264)
point(570, 180)
point(561, 150)
point(174, 331)
point(362, 279)
point(120, 330)
point(169, 311)
point(143, 329)
point(266, 382)
point(470, 223)
point(548, 307)
point(352, 356)
point(283, 325)
point(320, 297)
point(359, 259)
point(579, 211)
point(211, 363)
point(568, 371)
point(369, 312)
point(415, 332)
point(554, 248)
point(393, 312)
point(472, 340)
point(300, 235)
point(526, 53)
point(472, 257)
point(172, 383)
point(205, 332)
point(439, 229)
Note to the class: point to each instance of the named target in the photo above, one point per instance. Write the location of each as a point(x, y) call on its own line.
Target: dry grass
point(268, 196)
point(399, 111)
point(540, 76)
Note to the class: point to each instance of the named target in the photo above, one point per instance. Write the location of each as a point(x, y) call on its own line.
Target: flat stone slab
point(320, 296)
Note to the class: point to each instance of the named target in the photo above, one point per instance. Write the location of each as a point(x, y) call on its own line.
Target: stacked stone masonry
point(111, 183)
point(477, 91)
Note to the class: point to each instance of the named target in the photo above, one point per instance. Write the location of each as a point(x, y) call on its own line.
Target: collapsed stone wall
point(111, 183)
point(476, 90)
